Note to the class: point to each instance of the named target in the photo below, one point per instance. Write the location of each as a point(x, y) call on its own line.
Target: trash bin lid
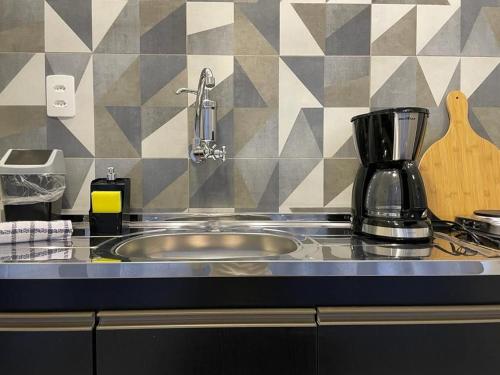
point(26, 161)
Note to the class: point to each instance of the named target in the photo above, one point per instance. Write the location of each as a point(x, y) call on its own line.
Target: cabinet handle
point(223, 318)
point(408, 315)
point(32, 322)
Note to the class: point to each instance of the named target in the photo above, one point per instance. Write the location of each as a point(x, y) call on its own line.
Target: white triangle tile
point(82, 201)
point(343, 199)
point(431, 18)
point(474, 70)
point(28, 86)
point(382, 68)
point(337, 128)
point(104, 14)
point(438, 72)
point(175, 131)
point(293, 96)
point(384, 16)
point(203, 16)
point(295, 38)
point(82, 125)
point(310, 191)
point(59, 37)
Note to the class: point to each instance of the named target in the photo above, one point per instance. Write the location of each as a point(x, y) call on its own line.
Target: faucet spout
point(204, 144)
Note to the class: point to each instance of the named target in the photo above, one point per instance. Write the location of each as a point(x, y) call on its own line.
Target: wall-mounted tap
point(204, 146)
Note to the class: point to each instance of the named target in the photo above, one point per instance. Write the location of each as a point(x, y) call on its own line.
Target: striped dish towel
point(32, 231)
point(54, 250)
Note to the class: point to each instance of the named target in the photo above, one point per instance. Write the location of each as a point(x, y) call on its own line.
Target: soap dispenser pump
point(109, 204)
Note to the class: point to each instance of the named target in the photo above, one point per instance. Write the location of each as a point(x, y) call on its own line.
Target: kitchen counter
point(330, 268)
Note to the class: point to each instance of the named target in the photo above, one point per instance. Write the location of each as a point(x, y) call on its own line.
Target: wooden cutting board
point(461, 171)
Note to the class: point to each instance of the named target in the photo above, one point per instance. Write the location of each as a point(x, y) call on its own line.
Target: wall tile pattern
point(290, 75)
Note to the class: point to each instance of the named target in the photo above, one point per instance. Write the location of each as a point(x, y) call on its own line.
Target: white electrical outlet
point(60, 96)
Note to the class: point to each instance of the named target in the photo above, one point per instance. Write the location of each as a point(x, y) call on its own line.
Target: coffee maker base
point(396, 230)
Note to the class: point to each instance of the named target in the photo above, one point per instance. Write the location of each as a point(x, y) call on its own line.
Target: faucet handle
point(184, 90)
point(220, 153)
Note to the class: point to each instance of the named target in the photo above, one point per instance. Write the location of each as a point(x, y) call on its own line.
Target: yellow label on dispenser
point(106, 202)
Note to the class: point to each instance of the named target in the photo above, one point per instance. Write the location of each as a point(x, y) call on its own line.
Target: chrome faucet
point(204, 146)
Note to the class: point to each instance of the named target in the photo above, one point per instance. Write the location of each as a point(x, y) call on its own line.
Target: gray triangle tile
point(269, 200)
point(211, 185)
point(116, 79)
point(174, 197)
point(174, 25)
point(123, 35)
point(486, 95)
point(302, 142)
point(482, 39)
point(246, 95)
point(35, 138)
point(339, 174)
point(216, 41)
point(291, 173)
point(447, 41)
point(310, 71)
point(424, 93)
point(314, 117)
point(125, 89)
point(470, 13)
point(347, 150)
point(314, 18)
point(129, 121)
point(264, 15)
point(256, 183)
point(339, 15)
point(11, 64)
point(400, 39)
point(153, 118)
point(347, 81)
point(159, 174)
point(22, 26)
point(157, 71)
point(77, 15)
point(110, 139)
point(255, 132)
point(248, 40)
point(400, 88)
point(58, 136)
point(353, 38)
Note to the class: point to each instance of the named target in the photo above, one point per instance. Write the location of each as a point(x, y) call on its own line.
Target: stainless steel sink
point(206, 246)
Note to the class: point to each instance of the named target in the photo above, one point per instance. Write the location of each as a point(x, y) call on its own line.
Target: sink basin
point(206, 246)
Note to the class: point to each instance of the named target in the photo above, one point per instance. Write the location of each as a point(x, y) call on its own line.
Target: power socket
point(60, 96)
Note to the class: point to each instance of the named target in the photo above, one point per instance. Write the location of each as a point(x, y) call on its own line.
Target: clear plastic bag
point(30, 189)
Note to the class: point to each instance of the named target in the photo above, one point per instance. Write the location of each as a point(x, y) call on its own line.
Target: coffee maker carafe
point(388, 199)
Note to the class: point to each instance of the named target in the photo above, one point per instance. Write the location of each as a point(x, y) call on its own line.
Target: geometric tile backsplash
point(289, 74)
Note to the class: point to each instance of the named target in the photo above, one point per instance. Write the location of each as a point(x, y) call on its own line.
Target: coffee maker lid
point(392, 110)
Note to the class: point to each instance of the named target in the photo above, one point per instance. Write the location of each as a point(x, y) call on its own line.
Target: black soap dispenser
point(109, 204)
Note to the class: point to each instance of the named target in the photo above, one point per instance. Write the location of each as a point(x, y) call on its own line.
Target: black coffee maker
point(388, 199)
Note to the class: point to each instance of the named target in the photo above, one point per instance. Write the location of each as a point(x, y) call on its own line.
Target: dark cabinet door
point(214, 342)
point(459, 340)
point(46, 343)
